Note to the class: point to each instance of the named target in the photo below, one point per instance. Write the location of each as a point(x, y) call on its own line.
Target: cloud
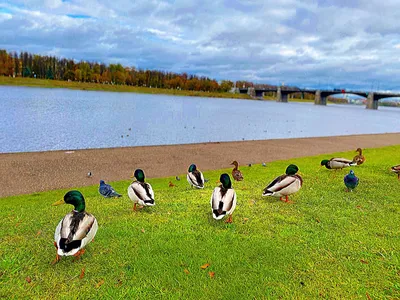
point(327, 43)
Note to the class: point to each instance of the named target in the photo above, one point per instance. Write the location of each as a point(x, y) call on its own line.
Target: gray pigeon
point(107, 191)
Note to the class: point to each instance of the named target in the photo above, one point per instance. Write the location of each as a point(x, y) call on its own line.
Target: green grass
point(328, 244)
point(87, 86)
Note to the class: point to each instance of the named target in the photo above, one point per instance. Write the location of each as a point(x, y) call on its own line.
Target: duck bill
point(59, 202)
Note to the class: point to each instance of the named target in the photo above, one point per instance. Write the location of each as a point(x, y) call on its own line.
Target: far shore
point(31, 172)
point(88, 86)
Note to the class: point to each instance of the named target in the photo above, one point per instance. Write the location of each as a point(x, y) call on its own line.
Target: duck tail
point(149, 202)
point(267, 193)
point(218, 215)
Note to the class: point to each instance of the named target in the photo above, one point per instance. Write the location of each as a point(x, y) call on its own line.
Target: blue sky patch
point(5, 10)
point(78, 16)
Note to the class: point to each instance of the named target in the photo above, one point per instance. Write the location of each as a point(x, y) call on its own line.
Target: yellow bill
point(59, 202)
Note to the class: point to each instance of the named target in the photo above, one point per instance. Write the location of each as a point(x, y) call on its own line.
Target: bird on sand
point(350, 181)
point(285, 185)
point(107, 190)
point(223, 199)
point(76, 229)
point(236, 174)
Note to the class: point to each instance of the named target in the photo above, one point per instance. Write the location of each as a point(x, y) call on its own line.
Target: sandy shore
point(24, 173)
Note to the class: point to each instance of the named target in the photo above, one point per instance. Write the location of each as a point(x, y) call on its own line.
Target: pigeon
point(107, 191)
point(351, 181)
point(177, 178)
point(264, 164)
point(89, 174)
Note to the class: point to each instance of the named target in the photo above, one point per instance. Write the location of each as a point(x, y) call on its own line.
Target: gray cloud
point(306, 43)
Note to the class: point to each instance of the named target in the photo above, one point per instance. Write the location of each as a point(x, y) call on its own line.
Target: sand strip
point(24, 173)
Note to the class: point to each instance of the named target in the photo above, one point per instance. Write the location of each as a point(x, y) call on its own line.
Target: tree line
point(51, 67)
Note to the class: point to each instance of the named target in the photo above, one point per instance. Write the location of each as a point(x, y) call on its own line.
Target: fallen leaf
point(16, 225)
point(359, 206)
point(364, 261)
point(318, 220)
point(171, 184)
point(28, 279)
point(368, 296)
point(142, 230)
point(38, 233)
point(82, 273)
point(245, 219)
point(212, 274)
point(119, 282)
point(186, 271)
point(205, 266)
point(100, 283)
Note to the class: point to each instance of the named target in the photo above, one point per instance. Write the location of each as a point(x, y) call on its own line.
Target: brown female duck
point(236, 174)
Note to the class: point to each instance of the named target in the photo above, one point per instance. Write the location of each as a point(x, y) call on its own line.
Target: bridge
point(320, 96)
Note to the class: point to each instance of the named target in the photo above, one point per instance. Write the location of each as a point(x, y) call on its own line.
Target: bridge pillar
point(371, 103)
point(319, 99)
point(251, 91)
point(281, 97)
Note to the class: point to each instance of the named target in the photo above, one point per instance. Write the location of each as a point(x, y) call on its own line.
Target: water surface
point(36, 119)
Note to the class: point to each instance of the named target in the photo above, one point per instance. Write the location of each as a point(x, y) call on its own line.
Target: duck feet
point(79, 254)
point(229, 220)
point(56, 260)
point(286, 199)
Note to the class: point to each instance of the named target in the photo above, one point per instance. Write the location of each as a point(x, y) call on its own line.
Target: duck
point(195, 177)
point(337, 163)
point(359, 159)
point(223, 199)
point(236, 174)
point(107, 191)
point(351, 181)
point(285, 185)
point(396, 169)
point(76, 229)
point(141, 192)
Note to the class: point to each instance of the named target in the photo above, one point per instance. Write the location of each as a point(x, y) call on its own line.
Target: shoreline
point(99, 87)
point(31, 172)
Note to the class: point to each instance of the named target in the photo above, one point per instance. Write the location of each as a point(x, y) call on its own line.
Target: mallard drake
point(195, 177)
point(396, 169)
point(141, 192)
point(223, 199)
point(359, 159)
point(337, 163)
point(107, 190)
point(236, 174)
point(76, 229)
point(285, 185)
point(350, 181)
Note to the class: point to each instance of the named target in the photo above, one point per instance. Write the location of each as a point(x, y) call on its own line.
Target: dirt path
point(24, 173)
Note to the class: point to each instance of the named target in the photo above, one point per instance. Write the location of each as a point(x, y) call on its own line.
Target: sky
point(352, 44)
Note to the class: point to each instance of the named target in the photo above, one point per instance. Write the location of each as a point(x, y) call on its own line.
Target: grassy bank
point(329, 243)
point(44, 83)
